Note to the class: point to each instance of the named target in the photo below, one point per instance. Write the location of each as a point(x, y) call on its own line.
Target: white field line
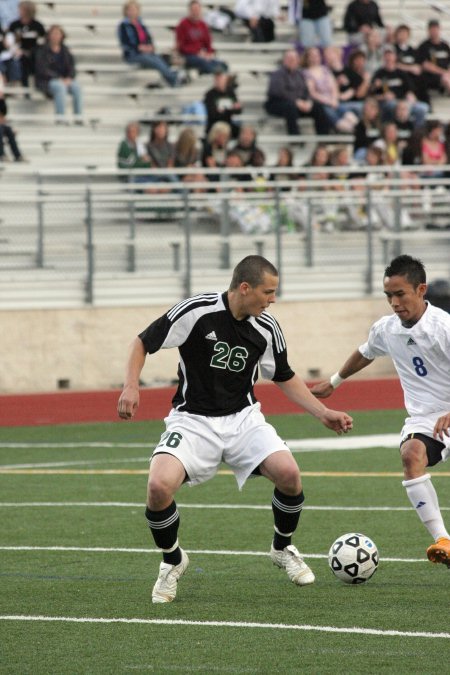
point(248, 507)
point(344, 442)
point(231, 624)
point(104, 549)
point(305, 445)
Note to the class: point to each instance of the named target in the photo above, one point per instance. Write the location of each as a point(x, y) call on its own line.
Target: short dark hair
point(406, 266)
point(252, 269)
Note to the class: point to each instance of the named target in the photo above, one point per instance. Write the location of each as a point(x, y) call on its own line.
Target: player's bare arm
point(442, 427)
point(354, 364)
point(129, 398)
point(297, 391)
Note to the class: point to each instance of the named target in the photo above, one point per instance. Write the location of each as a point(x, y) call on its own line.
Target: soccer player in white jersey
point(417, 338)
point(223, 340)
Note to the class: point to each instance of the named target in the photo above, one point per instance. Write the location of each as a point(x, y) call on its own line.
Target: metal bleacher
point(68, 159)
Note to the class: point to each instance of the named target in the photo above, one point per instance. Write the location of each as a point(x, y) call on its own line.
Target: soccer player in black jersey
point(223, 339)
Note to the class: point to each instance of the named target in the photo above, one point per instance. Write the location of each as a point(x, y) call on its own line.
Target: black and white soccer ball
point(353, 558)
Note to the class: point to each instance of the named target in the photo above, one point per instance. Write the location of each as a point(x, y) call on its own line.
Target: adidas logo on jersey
point(211, 336)
point(420, 504)
point(410, 342)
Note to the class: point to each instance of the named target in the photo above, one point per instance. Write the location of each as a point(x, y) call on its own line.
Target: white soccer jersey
point(421, 355)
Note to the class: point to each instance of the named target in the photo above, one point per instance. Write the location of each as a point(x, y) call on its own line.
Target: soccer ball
point(353, 558)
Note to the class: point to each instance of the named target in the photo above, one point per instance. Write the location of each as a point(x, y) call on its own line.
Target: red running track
point(100, 406)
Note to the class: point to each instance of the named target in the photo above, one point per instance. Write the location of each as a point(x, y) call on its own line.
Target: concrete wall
point(88, 347)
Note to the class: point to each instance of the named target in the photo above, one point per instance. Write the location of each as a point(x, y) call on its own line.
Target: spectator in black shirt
point(390, 84)
point(288, 96)
point(247, 148)
point(361, 16)
point(29, 35)
point(353, 80)
point(368, 129)
point(222, 103)
point(6, 132)
point(402, 118)
point(434, 56)
point(407, 60)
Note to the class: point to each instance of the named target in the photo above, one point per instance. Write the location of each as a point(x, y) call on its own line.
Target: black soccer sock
point(286, 513)
point(164, 528)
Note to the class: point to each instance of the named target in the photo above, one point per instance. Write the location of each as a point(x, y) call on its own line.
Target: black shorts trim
point(432, 446)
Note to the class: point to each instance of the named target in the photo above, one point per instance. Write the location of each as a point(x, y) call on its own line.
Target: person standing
point(417, 338)
point(223, 339)
point(315, 28)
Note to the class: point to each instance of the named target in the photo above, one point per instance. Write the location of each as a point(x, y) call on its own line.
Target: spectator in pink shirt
point(194, 42)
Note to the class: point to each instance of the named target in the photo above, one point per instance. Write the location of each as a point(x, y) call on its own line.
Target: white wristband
point(336, 380)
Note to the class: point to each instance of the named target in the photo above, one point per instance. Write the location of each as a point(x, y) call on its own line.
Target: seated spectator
point(367, 130)
point(315, 27)
point(434, 56)
point(186, 155)
point(55, 72)
point(233, 161)
point(29, 34)
point(259, 17)
point(160, 151)
point(340, 158)
point(412, 152)
point(9, 58)
point(131, 153)
point(288, 97)
point(353, 80)
point(215, 147)
point(6, 132)
point(285, 160)
point(138, 47)
point(407, 60)
point(247, 149)
point(360, 18)
point(194, 42)
point(185, 149)
point(390, 84)
point(221, 102)
point(320, 158)
point(374, 157)
point(433, 149)
point(388, 143)
point(372, 47)
point(402, 118)
point(323, 89)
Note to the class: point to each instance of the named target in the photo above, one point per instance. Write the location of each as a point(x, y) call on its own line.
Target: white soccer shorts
point(242, 440)
point(425, 425)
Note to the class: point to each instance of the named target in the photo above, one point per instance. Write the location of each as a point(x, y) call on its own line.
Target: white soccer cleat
point(290, 560)
point(165, 588)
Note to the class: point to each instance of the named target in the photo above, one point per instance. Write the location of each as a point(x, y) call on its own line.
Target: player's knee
point(413, 457)
point(159, 492)
point(289, 481)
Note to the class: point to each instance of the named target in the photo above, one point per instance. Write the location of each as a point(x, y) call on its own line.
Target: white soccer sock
point(423, 497)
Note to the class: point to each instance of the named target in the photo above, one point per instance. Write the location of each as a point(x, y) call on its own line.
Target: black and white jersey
point(219, 356)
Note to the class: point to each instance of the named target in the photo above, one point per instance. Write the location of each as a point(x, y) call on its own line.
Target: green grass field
point(74, 545)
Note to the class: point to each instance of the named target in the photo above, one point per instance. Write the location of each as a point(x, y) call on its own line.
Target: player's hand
point(128, 403)
point(338, 421)
point(442, 427)
point(322, 389)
